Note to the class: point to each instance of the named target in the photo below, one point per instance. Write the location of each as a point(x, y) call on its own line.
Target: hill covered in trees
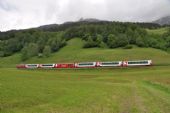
point(45, 40)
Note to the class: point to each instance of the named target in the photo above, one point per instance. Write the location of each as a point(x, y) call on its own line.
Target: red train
point(87, 64)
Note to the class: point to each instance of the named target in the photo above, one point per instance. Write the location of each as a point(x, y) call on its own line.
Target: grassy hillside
point(74, 52)
point(158, 31)
point(122, 90)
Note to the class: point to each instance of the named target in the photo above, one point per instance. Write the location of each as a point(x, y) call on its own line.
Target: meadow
point(158, 31)
point(112, 90)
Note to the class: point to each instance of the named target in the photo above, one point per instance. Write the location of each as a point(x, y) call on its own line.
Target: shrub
point(140, 42)
point(90, 43)
point(47, 51)
point(2, 54)
point(128, 47)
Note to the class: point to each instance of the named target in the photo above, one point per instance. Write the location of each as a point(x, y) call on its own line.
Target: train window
point(138, 62)
point(85, 64)
point(47, 64)
point(32, 65)
point(110, 63)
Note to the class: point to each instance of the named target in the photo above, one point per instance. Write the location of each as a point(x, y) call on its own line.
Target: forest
point(44, 40)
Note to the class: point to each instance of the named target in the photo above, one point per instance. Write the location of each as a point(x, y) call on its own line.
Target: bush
point(128, 47)
point(29, 50)
point(47, 51)
point(167, 41)
point(168, 50)
point(2, 54)
point(102, 45)
point(140, 42)
point(111, 42)
point(121, 40)
point(90, 43)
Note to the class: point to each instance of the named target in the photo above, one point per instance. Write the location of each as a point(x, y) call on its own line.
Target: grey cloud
point(4, 5)
point(18, 14)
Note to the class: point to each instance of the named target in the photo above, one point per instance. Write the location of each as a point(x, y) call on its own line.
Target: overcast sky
point(21, 14)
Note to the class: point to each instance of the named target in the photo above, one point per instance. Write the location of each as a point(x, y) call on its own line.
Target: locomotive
point(87, 64)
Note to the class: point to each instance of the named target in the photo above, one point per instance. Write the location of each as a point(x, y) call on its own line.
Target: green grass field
point(114, 90)
point(119, 90)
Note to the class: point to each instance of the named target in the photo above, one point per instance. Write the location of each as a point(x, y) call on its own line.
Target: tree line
point(43, 41)
point(32, 43)
point(114, 35)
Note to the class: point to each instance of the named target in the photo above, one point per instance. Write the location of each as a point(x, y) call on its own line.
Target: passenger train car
point(87, 64)
point(21, 66)
point(109, 64)
point(68, 65)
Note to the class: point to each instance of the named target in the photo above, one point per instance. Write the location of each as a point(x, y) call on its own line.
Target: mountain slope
point(163, 21)
point(74, 52)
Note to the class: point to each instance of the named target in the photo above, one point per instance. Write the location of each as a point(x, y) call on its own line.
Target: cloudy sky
point(21, 14)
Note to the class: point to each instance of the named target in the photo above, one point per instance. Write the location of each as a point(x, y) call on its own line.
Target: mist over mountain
point(163, 21)
point(89, 20)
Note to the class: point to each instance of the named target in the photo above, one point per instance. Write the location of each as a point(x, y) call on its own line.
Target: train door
point(125, 63)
